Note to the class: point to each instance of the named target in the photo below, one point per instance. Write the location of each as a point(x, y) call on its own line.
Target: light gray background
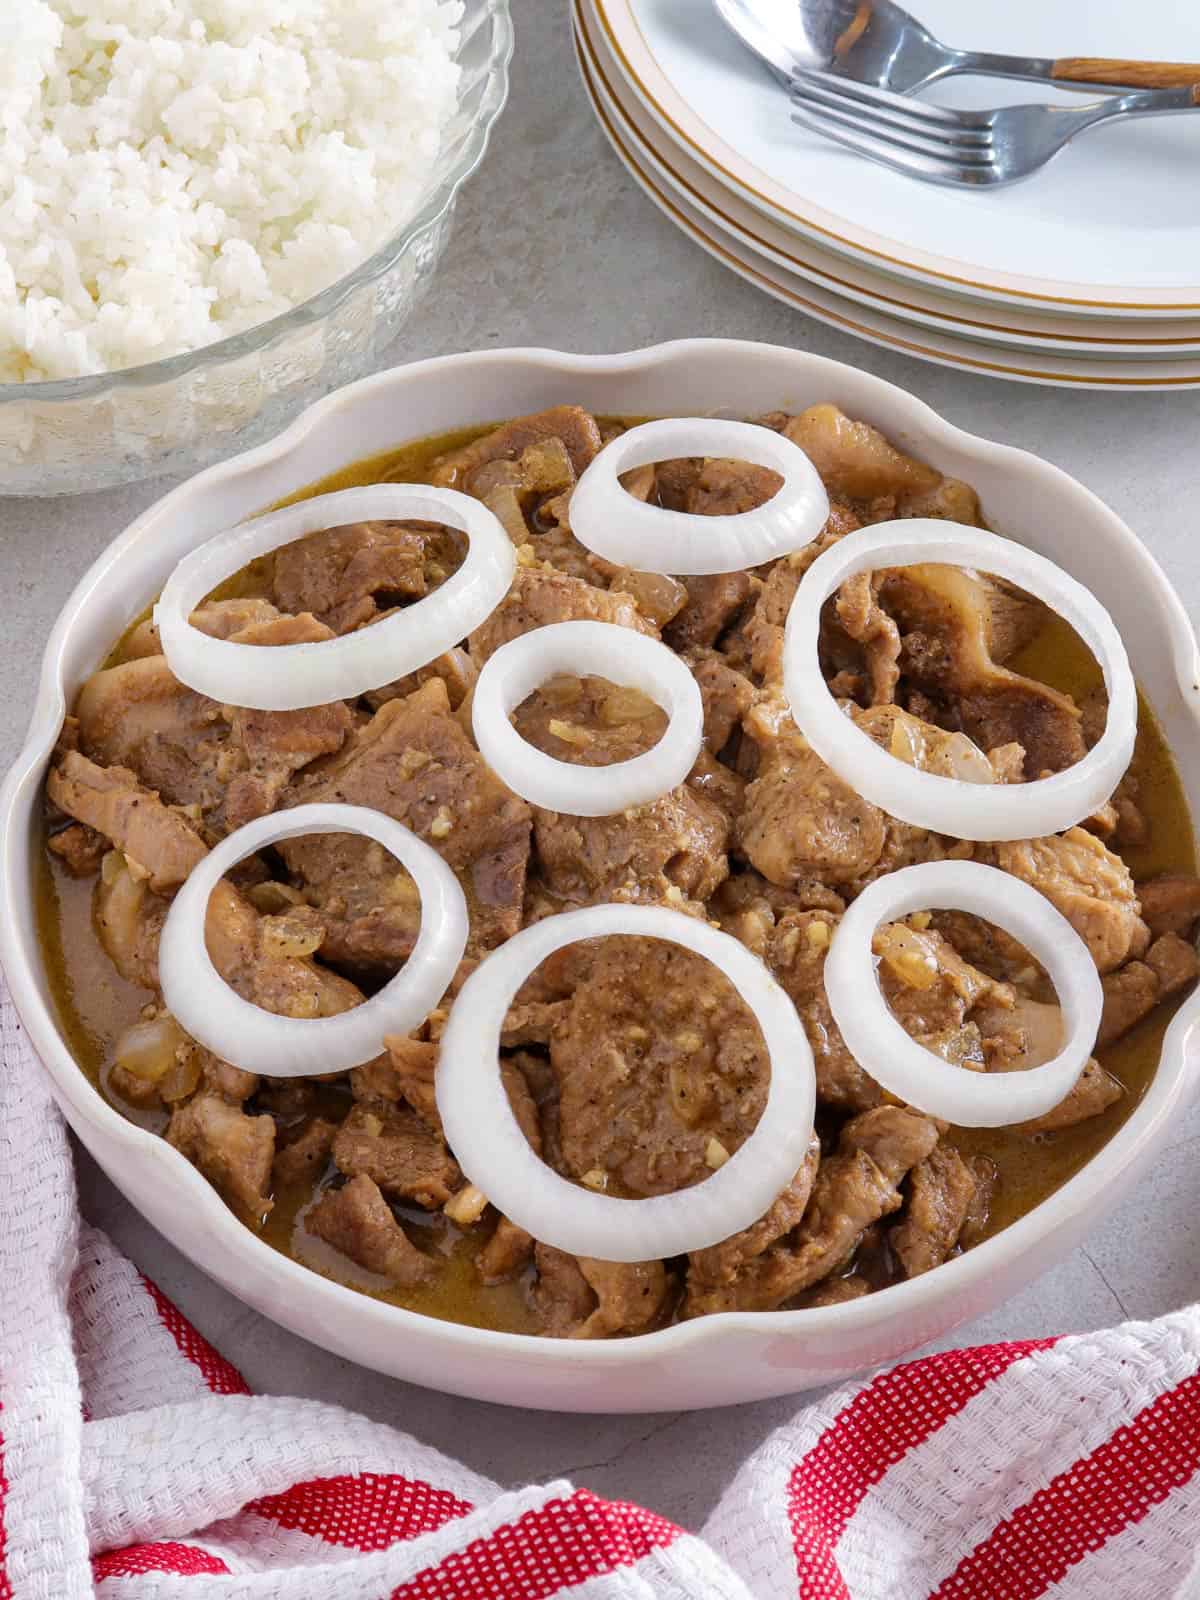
point(555, 246)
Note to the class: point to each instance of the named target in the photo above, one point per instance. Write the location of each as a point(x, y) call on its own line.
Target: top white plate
point(1112, 225)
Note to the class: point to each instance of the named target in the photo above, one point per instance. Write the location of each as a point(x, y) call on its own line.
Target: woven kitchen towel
point(135, 1465)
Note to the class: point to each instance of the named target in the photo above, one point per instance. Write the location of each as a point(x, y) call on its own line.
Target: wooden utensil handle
point(1129, 74)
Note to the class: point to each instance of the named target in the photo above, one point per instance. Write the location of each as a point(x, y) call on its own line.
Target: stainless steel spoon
point(878, 42)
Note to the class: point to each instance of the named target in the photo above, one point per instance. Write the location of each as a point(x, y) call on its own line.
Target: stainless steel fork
point(967, 149)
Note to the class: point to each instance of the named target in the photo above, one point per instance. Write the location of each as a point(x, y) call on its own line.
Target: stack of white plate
point(1087, 275)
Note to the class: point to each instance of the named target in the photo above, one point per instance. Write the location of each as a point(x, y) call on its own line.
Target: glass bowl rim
point(263, 335)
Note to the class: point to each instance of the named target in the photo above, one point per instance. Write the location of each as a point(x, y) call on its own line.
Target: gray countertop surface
point(555, 246)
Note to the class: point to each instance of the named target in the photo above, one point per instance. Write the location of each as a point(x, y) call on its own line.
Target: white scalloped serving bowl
point(715, 1360)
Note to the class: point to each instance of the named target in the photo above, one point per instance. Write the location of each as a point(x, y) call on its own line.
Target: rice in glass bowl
point(177, 414)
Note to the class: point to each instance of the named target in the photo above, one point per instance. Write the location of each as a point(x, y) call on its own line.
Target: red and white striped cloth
point(135, 1465)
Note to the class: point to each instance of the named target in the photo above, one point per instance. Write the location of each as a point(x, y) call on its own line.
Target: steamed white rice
point(173, 171)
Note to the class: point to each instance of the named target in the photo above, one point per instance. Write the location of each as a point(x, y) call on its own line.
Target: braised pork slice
point(932, 991)
point(661, 1069)
point(987, 1180)
point(540, 596)
point(507, 1253)
point(748, 907)
point(229, 763)
point(407, 1073)
point(987, 947)
point(220, 619)
point(1169, 965)
point(859, 465)
point(951, 623)
point(854, 459)
point(509, 1250)
point(530, 1022)
point(255, 956)
point(399, 1151)
point(795, 953)
point(572, 425)
point(158, 841)
point(1171, 904)
point(721, 1264)
point(800, 820)
point(941, 1190)
point(724, 487)
point(673, 846)
point(357, 1220)
point(865, 621)
point(835, 1292)
point(1093, 1091)
point(560, 1295)
point(80, 849)
point(1024, 714)
point(301, 1158)
point(234, 1151)
point(923, 745)
point(578, 1298)
point(140, 716)
point(712, 780)
point(714, 601)
point(1092, 887)
point(854, 1188)
point(1029, 1033)
point(630, 1296)
point(754, 641)
point(1024, 1034)
point(274, 745)
point(727, 695)
point(526, 482)
point(412, 761)
point(349, 576)
point(454, 667)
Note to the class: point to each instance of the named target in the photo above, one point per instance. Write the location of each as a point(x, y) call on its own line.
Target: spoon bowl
point(877, 42)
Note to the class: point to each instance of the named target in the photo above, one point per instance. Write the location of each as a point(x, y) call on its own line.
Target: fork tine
point(918, 164)
point(942, 135)
point(887, 138)
point(886, 100)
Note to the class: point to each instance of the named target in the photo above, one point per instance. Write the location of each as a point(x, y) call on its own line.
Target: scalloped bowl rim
point(1144, 1129)
point(319, 307)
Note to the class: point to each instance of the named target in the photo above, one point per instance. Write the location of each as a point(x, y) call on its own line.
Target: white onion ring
point(649, 538)
point(905, 1068)
point(493, 1152)
point(950, 805)
point(295, 1047)
point(293, 676)
point(633, 660)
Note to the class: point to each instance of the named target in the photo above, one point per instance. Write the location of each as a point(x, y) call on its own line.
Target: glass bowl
point(177, 415)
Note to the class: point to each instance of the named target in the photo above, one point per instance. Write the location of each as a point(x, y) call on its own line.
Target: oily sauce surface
point(95, 1004)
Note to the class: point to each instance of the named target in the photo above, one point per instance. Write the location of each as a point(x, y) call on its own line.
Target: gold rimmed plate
point(1110, 228)
point(943, 349)
point(991, 325)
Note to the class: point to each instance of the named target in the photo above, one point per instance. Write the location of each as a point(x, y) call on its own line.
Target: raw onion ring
point(240, 1032)
point(950, 805)
point(290, 677)
point(906, 1068)
point(630, 533)
point(633, 660)
point(493, 1152)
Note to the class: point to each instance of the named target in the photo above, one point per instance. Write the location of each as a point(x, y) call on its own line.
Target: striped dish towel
point(135, 1465)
